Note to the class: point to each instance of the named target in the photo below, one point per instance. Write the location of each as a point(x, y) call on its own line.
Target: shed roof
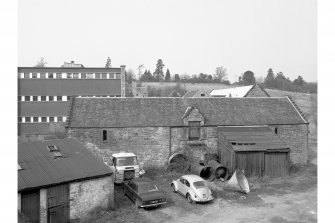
point(40, 169)
point(155, 112)
point(252, 138)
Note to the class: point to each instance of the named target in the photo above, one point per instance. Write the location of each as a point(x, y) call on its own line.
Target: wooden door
point(30, 205)
point(251, 162)
point(276, 164)
point(58, 203)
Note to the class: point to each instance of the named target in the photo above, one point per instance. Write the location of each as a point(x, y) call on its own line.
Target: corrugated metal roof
point(232, 92)
point(39, 168)
point(253, 138)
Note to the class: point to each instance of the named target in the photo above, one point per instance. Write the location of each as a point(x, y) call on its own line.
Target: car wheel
point(137, 203)
point(189, 198)
point(174, 188)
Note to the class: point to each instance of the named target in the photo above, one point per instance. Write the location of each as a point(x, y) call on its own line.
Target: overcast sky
point(190, 36)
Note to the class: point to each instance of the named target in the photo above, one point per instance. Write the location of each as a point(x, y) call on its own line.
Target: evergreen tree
point(176, 78)
point(159, 74)
point(167, 76)
point(108, 63)
point(270, 79)
point(299, 81)
point(248, 78)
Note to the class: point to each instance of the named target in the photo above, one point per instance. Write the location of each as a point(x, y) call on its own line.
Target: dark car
point(144, 193)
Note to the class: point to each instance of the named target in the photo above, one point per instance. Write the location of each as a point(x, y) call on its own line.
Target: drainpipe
point(123, 81)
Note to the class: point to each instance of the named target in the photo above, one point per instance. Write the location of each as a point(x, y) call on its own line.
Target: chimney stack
point(123, 81)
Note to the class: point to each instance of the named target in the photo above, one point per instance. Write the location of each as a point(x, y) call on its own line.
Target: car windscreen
point(126, 161)
point(144, 188)
point(199, 184)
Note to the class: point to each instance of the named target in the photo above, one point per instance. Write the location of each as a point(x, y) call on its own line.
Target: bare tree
point(221, 73)
point(41, 62)
point(139, 68)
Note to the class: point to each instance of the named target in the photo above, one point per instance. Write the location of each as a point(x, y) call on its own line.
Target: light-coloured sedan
point(193, 187)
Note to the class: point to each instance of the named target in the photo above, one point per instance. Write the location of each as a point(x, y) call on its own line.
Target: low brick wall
point(90, 194)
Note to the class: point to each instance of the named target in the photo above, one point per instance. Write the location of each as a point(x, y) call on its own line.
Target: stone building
point(155, 128)
point(59, 180)
point(44, 93)
point(240, 91)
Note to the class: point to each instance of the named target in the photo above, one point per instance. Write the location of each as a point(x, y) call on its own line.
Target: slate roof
point(259, 138)
point(146, 112)
point(40, 169)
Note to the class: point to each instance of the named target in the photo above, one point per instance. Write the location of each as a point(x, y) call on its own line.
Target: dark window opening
point(20, 119)
point(68, 98)
point(194, 130)
point(26, 98)
point(51, 98)
point(104, 75)
point(26, 75)
point(83, 75)
point(202, 95)
point(50, 75)
point(97, 75)
point(69, 75)
point(51, 119)
point(59, 119)
point(104, 135)
point(43, 98)
point(19, 98)
point(44, 119)
point(28, 119)
point(35, 119)
point(59, 98)
point(276, 130)
point(34, 75)
point(35, 98)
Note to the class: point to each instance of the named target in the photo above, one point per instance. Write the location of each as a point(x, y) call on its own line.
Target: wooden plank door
point(30, 205)
point(276, 164)
point(251, 162)
point(58, 204)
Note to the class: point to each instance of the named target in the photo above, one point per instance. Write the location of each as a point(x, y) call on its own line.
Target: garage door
point(251, 162)
point(58, 204)
point(276, 164)
point(30, 205)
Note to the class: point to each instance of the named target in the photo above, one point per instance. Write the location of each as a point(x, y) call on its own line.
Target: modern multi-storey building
point(44, 93)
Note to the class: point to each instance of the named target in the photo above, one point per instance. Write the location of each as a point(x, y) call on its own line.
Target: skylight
point(53, 149)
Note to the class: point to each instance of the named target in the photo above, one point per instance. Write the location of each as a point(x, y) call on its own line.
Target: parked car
point(144, 193)
point(193, 187)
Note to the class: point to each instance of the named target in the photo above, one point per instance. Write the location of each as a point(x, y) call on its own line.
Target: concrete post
point(123, 81)
point(19, 202)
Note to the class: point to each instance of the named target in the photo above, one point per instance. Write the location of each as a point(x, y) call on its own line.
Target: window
point(19, 98)
point(26, 75)
point(104, 76)
point(187, 183)
point(54, 151)
point(51, 98)
point(28, 119)
point(276, 130)
point(50, 75)
point(104, 135)
point(43, 98)
point(26, 98)
point(20, 119)
point(194, 130)
point(59, 75)
point(43, 76)
point(83, 75)
point(69, 75)
point(34, 75)
point(68, 98)
point(35, 119)
point(51, 119)
point(44, 119)
point(89, 76)
point(202, 95)
point(59, 119)
point(117, 76)
point(35, 98)
point(97, 75)
point(59, 98)
point(75, 75)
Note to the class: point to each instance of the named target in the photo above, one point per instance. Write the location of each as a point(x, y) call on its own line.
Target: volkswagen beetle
point(193, 187)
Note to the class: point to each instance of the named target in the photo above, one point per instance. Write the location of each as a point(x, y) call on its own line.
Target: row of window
point(71, 75)
point(44, 119)
point(58, 98)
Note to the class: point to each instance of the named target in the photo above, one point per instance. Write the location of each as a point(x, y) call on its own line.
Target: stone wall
point(296, 136)
point(150, 144)
point(90, 194)
point(256, 92)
